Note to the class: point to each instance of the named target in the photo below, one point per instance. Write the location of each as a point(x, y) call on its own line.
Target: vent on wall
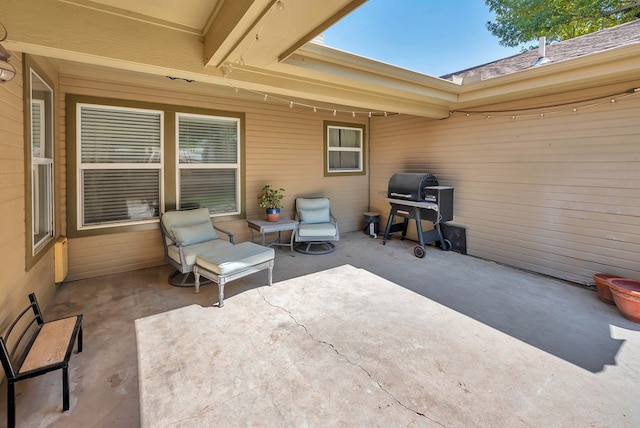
point(61, 259)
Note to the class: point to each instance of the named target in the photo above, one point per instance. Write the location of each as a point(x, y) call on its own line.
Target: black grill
point(417, 196)
point(410, 186)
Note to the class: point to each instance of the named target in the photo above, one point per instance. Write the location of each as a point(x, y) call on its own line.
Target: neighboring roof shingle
point(608, 38)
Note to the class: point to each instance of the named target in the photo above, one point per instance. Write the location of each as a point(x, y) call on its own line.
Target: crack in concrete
point(382, 388)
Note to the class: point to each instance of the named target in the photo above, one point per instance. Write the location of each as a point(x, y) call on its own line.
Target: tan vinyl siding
point(16, 282)
point(559, 195)
point(284, 148)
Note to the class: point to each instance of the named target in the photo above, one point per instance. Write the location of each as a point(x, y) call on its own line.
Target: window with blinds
point(120, 165)
point(41, 180)
point(344, 149)
point(208, 163)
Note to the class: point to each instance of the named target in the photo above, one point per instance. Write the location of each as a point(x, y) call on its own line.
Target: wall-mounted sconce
point(7, 70)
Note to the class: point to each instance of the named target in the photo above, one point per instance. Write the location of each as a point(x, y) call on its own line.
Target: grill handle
point(402, 195)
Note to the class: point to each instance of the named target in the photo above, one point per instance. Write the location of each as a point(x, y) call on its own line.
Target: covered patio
point(565, 358)
point(544, 162)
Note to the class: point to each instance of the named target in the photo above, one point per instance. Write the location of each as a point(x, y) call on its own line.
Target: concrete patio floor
point(592, 347)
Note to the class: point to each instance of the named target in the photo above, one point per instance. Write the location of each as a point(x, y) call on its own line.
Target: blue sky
point(434, 37)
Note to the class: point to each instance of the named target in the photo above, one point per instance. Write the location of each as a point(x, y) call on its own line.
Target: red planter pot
point(273, 214)
point(604, 293)
point(626, 295)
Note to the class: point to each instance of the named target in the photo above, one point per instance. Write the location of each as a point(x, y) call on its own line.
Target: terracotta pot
point(604, 293)
point(626, 295)
point(273, 214)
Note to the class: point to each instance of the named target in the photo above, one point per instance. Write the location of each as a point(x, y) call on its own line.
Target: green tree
point(522, 21)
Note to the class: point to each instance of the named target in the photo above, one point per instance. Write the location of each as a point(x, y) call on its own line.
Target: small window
point(119, 165)
point(208, 161)
point(344, 149)
point(41, 162)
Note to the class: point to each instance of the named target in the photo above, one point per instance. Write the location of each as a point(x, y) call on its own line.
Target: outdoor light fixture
point(7, 70)
point(280, 5)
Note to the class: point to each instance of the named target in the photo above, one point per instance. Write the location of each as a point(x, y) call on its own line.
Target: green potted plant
point(271, 199)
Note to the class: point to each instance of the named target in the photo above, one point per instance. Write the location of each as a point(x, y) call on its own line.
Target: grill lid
point(410, 185)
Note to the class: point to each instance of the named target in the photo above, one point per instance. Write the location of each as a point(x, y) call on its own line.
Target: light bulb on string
point(280, 5)
point(353, 114)
point(369, 115)
point(335, 112)
point(315, 109)
point(265, 97)
point(291, 104)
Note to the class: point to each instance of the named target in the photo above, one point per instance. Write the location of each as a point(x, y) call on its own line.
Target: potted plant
point(271, 199)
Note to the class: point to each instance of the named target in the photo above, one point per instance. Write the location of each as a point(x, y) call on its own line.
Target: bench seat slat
point(51, 344)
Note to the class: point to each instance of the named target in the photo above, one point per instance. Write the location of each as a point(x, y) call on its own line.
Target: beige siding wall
point(284, 147)
point(559, 195)
point(16, 282)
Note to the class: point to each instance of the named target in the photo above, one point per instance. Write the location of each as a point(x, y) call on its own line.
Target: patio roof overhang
point(204, 41)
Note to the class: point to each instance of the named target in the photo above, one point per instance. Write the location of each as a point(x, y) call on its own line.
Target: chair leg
point(197, 276)
point(65, 388)
point(270, 273)
point(11, 404)
point(221, 282)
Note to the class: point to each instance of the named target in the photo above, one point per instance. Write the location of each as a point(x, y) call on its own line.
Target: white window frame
point(80, 167)
point(359, 150)
point(236, 165)
point(36, 162)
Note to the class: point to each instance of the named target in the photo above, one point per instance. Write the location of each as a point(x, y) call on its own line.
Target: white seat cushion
point(192, 251)
point(234, 258)
point(316, 230)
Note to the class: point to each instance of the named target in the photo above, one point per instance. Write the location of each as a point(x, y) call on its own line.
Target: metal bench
point(41, 347)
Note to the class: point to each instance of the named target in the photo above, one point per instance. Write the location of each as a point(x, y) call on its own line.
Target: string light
point(611, 99)
point(334, 111)
point(279, 5)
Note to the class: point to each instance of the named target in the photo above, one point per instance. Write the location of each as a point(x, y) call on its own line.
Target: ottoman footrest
point(229, 263)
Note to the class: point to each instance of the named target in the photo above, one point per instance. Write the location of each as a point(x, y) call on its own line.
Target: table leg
point(293, 253)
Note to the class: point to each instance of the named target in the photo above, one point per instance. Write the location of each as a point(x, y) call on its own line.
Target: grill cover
point(410, 186)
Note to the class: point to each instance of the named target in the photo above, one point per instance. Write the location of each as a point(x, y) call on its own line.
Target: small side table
point(281, 225)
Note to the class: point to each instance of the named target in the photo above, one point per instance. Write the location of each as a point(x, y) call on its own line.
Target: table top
point(272, 226)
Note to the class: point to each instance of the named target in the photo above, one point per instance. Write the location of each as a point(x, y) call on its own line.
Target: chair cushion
point(316, 210)
point(321, 230)
point(195, 234)
point(192, 251)
point(234, 258)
